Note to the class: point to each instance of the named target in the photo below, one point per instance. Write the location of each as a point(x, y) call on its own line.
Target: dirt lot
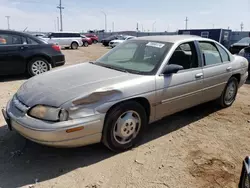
point(201, 147)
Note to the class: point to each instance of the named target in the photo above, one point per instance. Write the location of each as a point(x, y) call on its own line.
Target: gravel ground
point(200, 147)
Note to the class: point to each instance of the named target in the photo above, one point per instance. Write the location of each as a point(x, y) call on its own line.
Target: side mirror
point(172, 69)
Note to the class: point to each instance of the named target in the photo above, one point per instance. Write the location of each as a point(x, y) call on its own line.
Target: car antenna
point(25, 29)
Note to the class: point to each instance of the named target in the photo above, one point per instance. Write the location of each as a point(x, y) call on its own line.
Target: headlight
point(49, 113)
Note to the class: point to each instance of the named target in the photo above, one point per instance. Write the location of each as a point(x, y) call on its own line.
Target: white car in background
point(65, 39)
point(121, 39)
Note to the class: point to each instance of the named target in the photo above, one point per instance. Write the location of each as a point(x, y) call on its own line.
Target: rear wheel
point(124, 126)
point(230, 92)
point(74, 45)
point(95, 41)
point(37, 66)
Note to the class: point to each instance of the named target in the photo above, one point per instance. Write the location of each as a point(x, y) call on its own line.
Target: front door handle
point(199, 75)
point(229, 69)
point(23, 47)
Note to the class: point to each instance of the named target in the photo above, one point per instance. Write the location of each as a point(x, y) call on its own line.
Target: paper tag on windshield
point(155, 44)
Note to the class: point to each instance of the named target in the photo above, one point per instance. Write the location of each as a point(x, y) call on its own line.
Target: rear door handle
point(199, 75)
point(229, 68)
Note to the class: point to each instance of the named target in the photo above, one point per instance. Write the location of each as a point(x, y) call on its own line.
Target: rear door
point(217, 69)
point(12, 60)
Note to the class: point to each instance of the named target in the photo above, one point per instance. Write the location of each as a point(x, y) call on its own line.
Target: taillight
point(56, 47)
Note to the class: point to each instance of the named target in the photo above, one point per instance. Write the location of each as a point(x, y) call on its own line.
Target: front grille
point(19, 105)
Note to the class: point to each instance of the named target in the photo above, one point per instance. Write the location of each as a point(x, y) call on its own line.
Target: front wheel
point(37, 66)
point(124, 126)
point(229, 94)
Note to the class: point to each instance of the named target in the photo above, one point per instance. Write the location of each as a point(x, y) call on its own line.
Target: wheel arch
point(46, 57)
point(237, 76)
point(141, 100)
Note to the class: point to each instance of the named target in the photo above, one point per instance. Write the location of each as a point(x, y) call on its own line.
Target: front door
point(11, 58)
point(182, 90)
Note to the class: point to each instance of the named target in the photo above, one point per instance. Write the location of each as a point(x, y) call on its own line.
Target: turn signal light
point(74, 129)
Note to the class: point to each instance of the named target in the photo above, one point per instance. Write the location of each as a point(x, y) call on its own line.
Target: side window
point(6, 39)
point(223, 53)
point(31, 41)
point(16, 39)
point(185, 55)
point(24, 40)
point(210, 53)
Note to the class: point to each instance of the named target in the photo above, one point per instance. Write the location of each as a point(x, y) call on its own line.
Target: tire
point(86, 44)
point(37, 66)
point(127, 112)
point(74, 45)
point(223, 101)
point(244, 179)
point(95, 41)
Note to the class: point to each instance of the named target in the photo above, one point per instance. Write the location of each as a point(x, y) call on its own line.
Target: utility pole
point(153, 26)
point(55, 24)
point(105, 15)
point(58, 29)
point(241, 26)
point(141, 27)
point(186, 20)
point(60, 8)
point(8, 21)
point(113, 27)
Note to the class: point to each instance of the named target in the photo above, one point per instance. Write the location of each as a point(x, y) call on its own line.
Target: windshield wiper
point(112, 67)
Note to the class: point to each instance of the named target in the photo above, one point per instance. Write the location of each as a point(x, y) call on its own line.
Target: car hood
point(57, 87)
point(240, 44)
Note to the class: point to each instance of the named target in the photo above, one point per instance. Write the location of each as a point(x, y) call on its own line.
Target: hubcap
point(127, 127)
point(39, 67)
point(74, 45)
point(230, 93)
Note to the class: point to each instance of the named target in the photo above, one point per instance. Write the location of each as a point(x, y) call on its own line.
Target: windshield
point(245, 40)
point(137, 56)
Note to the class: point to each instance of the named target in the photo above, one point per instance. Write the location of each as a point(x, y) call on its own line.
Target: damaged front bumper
point(55, 133)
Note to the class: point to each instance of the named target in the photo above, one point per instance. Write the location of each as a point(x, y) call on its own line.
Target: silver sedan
point(112, 99)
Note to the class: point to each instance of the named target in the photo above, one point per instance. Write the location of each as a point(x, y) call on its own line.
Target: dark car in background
point(238, 46)
point(93, 37)
point(24, 53)
point(106, 41)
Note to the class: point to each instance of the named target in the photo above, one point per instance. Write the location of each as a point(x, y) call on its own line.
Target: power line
point(60, 8)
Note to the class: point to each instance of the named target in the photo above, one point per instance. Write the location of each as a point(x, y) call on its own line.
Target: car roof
point(171, 38)
point(18, 33)
point(66, 32)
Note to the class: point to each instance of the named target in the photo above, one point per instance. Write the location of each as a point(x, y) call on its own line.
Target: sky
point(157, 15)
